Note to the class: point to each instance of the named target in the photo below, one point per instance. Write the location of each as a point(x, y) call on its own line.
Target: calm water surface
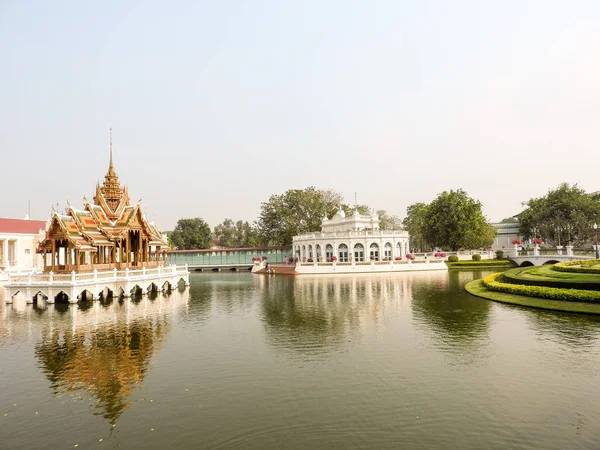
point(256, 362)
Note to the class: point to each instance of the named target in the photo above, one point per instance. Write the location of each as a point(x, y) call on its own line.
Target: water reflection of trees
point(457, 320)
point(576, 331)
point(105, 352)
point(224, 291)
point(319, 314)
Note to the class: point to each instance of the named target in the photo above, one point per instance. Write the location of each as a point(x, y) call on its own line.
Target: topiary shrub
point(476, 257)
point(575, 295)
point(452, 258)
point(499, 254)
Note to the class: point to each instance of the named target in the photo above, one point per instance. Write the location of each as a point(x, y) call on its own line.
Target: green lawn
point(546, 276)
point(478, 289)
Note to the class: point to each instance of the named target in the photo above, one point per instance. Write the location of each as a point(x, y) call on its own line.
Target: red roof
point(21, 226)
point(227, 249)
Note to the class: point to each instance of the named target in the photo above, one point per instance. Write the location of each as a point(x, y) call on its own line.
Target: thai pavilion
point(109, 233)
point(107, 248)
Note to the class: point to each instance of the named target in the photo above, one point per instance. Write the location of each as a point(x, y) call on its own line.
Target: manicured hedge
point(574, 295)
point(452, 258)
point(547, 277)
point(482, 263)
point(584, 266)
point(477, 288)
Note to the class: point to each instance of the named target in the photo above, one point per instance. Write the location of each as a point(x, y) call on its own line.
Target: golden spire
point(111, 189)
point(110, 140)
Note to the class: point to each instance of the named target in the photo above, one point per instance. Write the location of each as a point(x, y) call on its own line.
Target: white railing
point(349, 234)
point(368, 263)
point(91, 277)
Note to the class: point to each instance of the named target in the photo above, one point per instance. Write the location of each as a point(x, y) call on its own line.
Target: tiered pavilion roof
point(108, 233)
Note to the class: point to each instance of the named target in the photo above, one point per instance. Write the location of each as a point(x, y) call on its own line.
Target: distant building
point(19, 239)
point(505, 233)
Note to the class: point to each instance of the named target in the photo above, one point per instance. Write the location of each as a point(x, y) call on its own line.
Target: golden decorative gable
point(114, 231)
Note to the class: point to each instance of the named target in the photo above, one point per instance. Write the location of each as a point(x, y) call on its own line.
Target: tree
point(191, 234)
point(295, 212)
point(509, 220)
point(387, 221)
point(235, 235)
point(224, 234)
point(566, 213)
point(455, 220)
point(363, 210)
point(413, 223)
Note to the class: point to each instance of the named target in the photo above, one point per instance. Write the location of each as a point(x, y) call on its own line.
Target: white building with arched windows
point(356, 244)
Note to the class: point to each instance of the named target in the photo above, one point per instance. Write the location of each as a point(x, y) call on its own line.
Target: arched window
point(328, 252)
point(310, 254)
point(387, 251)
point(374, 251)
point(303, 254)
point(343, 253)
point(359, 252)
point(317, 253)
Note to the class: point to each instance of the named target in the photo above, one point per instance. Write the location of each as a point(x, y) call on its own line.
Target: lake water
point(407, 360)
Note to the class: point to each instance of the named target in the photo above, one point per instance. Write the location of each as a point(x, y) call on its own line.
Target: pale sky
point(216, 105)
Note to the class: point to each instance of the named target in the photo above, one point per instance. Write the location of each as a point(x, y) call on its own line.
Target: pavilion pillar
point(128, 248)
point(53, 255)
point(77, 260)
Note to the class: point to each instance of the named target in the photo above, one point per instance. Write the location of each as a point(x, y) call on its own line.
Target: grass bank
point(478, 289)
point(547, 276)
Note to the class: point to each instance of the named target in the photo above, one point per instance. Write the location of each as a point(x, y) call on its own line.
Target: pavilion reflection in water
point(104, 350)
point(325, 311)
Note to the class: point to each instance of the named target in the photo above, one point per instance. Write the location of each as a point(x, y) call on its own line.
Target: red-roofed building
point(19, 239)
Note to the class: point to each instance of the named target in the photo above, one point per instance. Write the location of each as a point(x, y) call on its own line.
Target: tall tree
point(363, 210)
point(566, 213)
point(456, 220)
point(191, 234)
point(224, 234)
point(238, 234)
point(387, 221)
point(413, 223)
point(294, 212)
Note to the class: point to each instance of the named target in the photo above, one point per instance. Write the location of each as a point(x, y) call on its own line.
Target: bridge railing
point(92, 277)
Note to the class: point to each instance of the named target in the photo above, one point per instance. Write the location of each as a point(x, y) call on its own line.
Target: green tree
point(387, 221)
point(455, 220)
point(191, 234)
point(363, 210)
point(246, 235)
point(413, 223)
point(566, 213)
point(509, 220)
point(238, 234)
point(224, 234)
point(295, 212)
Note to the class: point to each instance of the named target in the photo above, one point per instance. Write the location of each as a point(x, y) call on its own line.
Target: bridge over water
point(540, 260)
point(222, 259)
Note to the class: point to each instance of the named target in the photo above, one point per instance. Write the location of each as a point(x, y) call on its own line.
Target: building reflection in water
point(104, 349)
point(316, 314)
